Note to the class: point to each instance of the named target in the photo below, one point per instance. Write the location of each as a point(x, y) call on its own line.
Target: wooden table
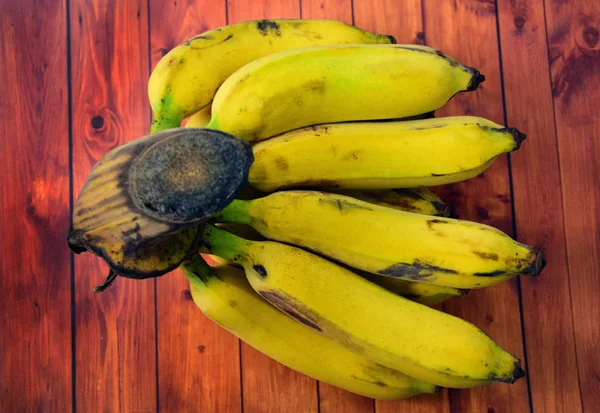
point(74, 76)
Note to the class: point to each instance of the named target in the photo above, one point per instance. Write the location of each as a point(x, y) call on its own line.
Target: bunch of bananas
point(296, 156)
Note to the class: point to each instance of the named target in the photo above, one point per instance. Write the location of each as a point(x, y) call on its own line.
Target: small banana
point(419, 341)
point(225, 296)
point(386, 241)
point(139, 206)
point(186, 78)
point(417, 200)
point(199, 119)
point(334, 84)
point(380, 155)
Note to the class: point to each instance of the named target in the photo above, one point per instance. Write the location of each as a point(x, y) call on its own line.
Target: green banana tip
point(476, 79)
point(392, 38)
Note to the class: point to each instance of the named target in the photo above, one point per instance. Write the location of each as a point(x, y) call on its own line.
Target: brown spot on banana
point(415, 271)
point(289, 307)
point(266, 27)
point(487, 255)
point(281, 163)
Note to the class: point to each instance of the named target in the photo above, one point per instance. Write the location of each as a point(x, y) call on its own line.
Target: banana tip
point(518, 372)
point(476, 79)
point(536, 267)
point(392, 38)
point(517, 135)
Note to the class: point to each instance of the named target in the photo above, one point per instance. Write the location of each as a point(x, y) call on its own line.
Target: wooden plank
point(242, 10)
point(115, 333)
point(198, 361)
point(573, 33)
point(538, 208)
point(333, 399)
point(404, 21)
point(269, 387)
point(466, 30)
point(35, 298)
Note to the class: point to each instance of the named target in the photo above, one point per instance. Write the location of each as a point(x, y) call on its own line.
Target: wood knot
point(97, 122)
point(590, 37)
point(519, 22)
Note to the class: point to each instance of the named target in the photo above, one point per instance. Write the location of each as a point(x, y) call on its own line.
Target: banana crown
point(143, 203)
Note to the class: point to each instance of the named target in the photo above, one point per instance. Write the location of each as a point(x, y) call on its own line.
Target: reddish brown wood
point(538, 208)
point(241, 10)
point(116, 338)
point(404, 21)
point(573, 33)
point(466, 30)
point(198, 361)
point(267, 385)
point(35, 303)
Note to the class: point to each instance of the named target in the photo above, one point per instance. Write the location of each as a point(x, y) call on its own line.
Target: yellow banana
point(185, 79)
point(225, 296)
point(417, 200)
point(380, 155)
point(388, 241)
point(419, 341)
point(136, 207)
point(323, 84)
point(199, 119)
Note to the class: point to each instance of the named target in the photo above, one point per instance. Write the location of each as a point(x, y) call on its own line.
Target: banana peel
point(143, 204)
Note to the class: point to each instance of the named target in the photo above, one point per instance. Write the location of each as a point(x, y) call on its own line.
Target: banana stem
point(160, 124)
point(235, 213)
point(224, 244)
point(197, 270)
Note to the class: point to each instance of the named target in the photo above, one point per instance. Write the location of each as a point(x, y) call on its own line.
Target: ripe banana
point(199, 119)
point(323, 84)
point(419, 341)
point(185, 79)
point(417, 200)
point(138, 201)
point(380, 155)
point(225, 296)
point(387, 241)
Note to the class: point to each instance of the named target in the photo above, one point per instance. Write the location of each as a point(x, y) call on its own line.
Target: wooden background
point(73, 85)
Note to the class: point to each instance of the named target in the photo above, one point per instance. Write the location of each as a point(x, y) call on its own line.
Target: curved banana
point(417, 200)
point(323, 84)
point(225, 296)
point(381, 155)
point(387, 241)
point(424, 343)
point(185, 79)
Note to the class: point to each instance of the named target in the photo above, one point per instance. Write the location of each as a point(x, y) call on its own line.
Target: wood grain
point(115, 333)
point(466, 30)
point(198, 361)
point(574, 52)
point(35, 298)
point(402, 20)
point(538, 207)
